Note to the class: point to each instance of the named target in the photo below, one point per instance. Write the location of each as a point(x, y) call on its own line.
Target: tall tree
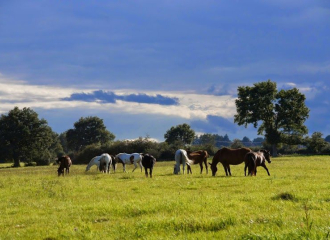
point(281, 114)
point(86, 131)
point(182, 133)
point(23, 136)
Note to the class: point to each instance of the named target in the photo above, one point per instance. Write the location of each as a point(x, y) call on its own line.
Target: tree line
point(278, 115)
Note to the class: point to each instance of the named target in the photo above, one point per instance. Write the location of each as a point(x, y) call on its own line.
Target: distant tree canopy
point(25, 137)
point(212, 139)
point(281, 114)
point(315, 143)
point(87, 131)
point(181, 133)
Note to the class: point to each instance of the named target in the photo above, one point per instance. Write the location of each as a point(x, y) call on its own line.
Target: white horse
point(102, 162)
point(181, 157)
point(126, 158)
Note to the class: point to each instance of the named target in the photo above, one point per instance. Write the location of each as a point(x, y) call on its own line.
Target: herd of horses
point(225, 156)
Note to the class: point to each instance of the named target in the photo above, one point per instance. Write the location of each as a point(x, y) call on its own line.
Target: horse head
point(60, 171)
point(213, 168)
point(266, 155)
point(176, 169)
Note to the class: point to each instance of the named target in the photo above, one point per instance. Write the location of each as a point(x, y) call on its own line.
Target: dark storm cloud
point(110, 97)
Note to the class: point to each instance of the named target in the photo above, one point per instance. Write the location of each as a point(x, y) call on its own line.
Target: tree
point(23, 136)
point(86, 131)
point(281, 114)
point(316, 142)
point(182, 133)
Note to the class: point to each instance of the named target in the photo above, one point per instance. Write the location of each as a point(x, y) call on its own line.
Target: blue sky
point(145, 66)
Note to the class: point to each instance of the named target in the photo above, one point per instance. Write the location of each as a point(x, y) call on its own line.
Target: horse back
point(198, 156)
point(230, 156)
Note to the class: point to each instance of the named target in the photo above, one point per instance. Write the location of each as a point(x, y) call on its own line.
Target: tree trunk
point(17, 162)
point(274, 150)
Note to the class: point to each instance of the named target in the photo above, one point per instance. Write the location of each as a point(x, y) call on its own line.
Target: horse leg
point(140, 163)
point(206, 167)
point(225, 167)
point(151, 172)
point(228, 167)
point(124, 167)
point(183, 167)
point(146, 171)
point(201, 165)
point(264, 166)
point(135, 166)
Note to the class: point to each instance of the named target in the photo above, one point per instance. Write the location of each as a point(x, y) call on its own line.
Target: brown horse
point(148, 162)
point(255, 159)
point(64, 162)
point(198, 157)
point(228, 157)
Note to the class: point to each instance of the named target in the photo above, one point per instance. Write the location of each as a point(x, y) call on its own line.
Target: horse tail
point(188, 161)
point(251, 163)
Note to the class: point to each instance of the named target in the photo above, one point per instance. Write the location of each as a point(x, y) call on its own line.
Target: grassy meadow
point(292, 203)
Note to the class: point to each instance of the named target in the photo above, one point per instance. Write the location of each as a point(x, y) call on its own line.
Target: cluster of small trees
point(281, 116)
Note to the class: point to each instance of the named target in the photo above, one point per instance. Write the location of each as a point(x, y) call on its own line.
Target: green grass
point(292, 203)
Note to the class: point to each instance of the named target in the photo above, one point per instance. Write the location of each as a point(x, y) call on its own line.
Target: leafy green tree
point(87, 131)
point(182, 133)
point(281, 115)
point(315, 143)
point(24, 137)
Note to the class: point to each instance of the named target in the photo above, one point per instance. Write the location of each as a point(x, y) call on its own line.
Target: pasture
point(292, 203)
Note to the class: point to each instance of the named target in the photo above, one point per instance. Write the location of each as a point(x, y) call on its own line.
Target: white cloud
point(191, 105)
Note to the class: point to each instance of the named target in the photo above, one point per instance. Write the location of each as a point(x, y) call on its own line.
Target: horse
point(181, 157)
point(126, 158)
point(228, 157)
point(107, 160)
point(198, 157)
point(148, 161)
point(64, 162)
point(255, 159)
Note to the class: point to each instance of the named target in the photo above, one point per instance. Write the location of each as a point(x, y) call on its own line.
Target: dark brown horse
point(227, 157)
point(64, 162)
point(148, 161)
point(198, 157)
point(255, 159)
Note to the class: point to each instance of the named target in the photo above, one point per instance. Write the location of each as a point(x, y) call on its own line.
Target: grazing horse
point(126, 158)
point(181, 157)
point(148, 161)
point(198, 157)
point(228, 157)
point(255, 159)
point(106, 160)
point(64, 162)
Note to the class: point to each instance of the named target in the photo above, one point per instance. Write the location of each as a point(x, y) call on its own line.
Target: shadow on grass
point(286, 196)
